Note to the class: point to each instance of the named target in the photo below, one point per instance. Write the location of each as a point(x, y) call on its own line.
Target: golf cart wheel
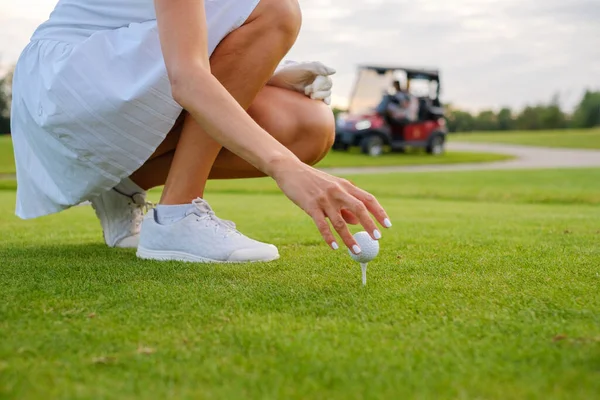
point(372, 145)
point(436, 146)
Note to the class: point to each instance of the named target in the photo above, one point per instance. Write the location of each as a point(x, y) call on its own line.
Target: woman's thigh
point(303, 125)
point(282, 113)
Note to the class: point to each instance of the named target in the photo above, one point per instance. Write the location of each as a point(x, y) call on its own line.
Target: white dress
point(91, 98)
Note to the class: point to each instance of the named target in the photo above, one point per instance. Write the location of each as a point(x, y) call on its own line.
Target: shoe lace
point(139, 206)
point(208, 215)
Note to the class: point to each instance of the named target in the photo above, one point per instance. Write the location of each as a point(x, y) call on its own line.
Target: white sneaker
point(121, 217)
point(200, 237)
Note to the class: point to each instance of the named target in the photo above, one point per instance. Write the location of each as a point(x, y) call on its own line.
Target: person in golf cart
point(404, 108)
point(400, 95)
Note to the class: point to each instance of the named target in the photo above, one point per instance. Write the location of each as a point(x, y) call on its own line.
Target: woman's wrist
point(279, 164)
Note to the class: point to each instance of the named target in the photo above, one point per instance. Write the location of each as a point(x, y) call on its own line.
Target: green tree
point(587, 113)
point(545, 116)
point(5, 101)
point(459, 121)
point(529, 119)
point(552, 117)
point(486, 121)
point(506, 122)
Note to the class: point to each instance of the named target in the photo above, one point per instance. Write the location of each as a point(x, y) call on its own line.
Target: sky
point(491, 53)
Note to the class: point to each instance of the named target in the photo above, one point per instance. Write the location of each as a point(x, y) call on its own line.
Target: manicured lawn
point(546, 186)
point(333, 159)
point(356, 159)
point(7, 161)
point(578, 139)
point(486, 287)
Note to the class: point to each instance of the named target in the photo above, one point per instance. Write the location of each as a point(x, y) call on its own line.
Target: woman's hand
point(310, 78)
point(323, 196)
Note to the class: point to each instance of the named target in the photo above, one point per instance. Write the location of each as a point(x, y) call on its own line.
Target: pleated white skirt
point(87, 114)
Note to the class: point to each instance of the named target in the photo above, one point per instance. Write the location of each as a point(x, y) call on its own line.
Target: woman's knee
point(281, 16)
point(305, 126)
point(316, 131)
point(311, 127)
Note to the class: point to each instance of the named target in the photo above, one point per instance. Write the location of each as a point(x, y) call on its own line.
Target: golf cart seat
point(428, 110)
point(436, 112)
point(423, 112)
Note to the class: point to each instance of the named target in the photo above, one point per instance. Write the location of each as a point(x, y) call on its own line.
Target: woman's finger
point(360, 211)
point(321, 222)
point(319, 68)
point(371, 204)
point(322, 83)
point(308, 90)
point(320, 95)
point(349, 217)
point(341, 228)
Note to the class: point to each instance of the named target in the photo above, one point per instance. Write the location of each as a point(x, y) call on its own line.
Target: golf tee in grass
point(369, 250)
point(363, 266)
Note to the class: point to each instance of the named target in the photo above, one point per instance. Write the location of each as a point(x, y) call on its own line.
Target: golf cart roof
point(432, 74)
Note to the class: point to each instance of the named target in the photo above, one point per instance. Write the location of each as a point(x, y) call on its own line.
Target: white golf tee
point(363, 266)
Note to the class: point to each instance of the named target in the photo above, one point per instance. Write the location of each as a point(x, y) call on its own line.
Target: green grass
point(527, 186)
point(357, 159)
point(333, 159)
point(7, 160)
point(486, 288)
point(577, 139)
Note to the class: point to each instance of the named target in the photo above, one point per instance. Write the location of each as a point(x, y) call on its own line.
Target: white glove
point(310, 78)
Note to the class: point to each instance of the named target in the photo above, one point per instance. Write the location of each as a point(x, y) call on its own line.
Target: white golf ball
point(369, 247)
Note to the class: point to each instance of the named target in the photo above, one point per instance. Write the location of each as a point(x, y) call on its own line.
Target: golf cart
point(367, 123)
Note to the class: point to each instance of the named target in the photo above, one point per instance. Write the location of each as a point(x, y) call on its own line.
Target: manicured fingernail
point(387, 223)
point(377, 234)
point(334, 245)
point(356, 249)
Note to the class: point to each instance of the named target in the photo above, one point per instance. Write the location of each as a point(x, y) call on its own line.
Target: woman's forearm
point(202, 95)
point(183, 35)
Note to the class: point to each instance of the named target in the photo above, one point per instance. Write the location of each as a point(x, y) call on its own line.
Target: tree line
point(538, 117)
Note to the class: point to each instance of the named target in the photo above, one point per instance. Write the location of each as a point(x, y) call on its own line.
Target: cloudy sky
point(491, 52)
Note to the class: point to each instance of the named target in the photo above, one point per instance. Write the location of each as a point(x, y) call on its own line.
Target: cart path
point(526, 157)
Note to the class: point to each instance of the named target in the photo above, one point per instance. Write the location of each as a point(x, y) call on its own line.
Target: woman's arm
point(184, 38)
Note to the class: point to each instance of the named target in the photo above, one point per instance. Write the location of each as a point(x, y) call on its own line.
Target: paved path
point(526, 157)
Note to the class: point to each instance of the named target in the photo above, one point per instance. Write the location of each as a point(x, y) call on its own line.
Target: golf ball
point(369, 247)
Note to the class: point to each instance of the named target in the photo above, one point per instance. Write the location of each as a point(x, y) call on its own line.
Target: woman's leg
point(243, 63)
point(303, 125)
